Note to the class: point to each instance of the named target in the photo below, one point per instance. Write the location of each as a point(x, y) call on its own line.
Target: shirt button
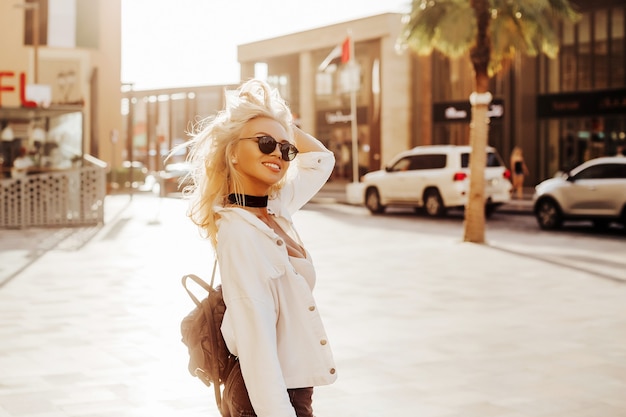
point(312, 308)
point(332, 371)
point(279, 242)
point(323, 342)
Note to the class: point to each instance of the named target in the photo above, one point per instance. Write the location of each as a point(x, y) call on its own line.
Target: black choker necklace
point(247, 200)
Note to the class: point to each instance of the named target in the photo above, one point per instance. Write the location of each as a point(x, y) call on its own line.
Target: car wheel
point(433, 205)
point(372, 201)
point(548, 215)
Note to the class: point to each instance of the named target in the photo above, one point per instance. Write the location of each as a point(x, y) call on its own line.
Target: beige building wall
point(108, 63)
point(98, 79)
point(13, 56)
point(396, 106)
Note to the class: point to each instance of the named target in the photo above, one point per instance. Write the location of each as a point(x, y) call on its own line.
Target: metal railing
point(72, 197)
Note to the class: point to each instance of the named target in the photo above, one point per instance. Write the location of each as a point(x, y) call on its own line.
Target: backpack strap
point(207, 287)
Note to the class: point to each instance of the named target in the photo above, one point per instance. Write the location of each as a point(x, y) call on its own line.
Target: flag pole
point(353, 120)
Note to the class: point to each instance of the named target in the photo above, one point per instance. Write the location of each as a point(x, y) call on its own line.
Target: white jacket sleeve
point(306, 178)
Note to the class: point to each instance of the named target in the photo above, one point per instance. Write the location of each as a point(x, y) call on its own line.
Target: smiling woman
point(192, 42)
point(253, 169)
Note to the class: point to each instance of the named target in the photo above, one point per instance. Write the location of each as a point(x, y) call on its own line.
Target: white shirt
point(272, 322)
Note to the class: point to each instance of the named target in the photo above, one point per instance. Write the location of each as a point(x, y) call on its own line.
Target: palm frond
point(526, 26)
point(516, 26)
point(445, 25)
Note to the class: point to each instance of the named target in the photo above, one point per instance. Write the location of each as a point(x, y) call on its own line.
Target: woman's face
point(258, 170)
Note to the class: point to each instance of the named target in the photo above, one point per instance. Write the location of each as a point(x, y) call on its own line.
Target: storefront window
point(584, 120)
point(617, 49)
point(281, 83)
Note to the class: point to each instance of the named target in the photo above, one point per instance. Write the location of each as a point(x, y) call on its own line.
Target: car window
point(432, 161)
point(619, 171)
point(602, 171)
point(493, 160)
point(402, 165)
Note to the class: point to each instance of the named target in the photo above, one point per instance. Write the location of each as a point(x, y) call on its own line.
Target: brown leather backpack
point(209, 357)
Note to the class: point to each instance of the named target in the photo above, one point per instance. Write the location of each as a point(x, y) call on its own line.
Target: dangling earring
point(234, 161)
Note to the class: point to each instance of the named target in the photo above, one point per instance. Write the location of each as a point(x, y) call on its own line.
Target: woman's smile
point(273, 166)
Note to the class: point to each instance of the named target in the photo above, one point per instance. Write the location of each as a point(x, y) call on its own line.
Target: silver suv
point(595, 190)
point(434, 178)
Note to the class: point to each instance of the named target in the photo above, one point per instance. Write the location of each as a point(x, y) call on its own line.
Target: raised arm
point(314, 165)
point(307, 143)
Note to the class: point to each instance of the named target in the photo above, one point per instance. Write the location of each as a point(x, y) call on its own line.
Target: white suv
point(434, 178)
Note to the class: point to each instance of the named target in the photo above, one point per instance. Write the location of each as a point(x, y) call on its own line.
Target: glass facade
point(591, 55)
point(582, 95)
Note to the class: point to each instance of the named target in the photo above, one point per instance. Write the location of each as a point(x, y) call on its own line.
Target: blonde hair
point(212, 148)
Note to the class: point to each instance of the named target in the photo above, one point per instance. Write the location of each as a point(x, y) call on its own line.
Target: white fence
point(73, 197)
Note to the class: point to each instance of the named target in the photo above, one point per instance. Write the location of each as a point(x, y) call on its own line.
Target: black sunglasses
point(267, 144)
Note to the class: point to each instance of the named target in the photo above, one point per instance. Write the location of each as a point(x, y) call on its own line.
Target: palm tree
point(492, 31)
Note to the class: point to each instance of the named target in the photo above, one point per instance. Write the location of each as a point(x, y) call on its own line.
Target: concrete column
point(307, 93)
point(396, 107)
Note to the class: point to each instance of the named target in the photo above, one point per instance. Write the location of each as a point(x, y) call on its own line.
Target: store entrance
point(587, 138)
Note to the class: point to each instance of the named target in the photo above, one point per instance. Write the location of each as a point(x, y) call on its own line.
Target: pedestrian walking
point(253, 170)
point(520, 170)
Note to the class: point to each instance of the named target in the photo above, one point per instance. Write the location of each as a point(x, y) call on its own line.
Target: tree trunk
point(474, 226)
point(480, 53)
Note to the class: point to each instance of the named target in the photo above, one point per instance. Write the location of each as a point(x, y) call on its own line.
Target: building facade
point(60, 121)
point(158, 120)
point(64, 57)
point(320, 96)
point(560, 111)
point(581, 96)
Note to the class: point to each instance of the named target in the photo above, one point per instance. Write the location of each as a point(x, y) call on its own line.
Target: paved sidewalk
point(421, 324)
point(19, 248)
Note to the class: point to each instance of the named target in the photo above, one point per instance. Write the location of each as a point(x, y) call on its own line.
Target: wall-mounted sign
point(8, 85)
point(340, 117)
point(461, 111)
point(593, 103)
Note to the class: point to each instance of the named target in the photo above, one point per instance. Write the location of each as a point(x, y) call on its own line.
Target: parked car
point(173, 179)
point(434, 178)
point(594, 190)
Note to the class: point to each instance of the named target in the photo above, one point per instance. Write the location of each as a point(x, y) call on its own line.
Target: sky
point(178, 43)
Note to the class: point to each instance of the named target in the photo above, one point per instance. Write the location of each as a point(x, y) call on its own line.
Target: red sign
point(22, 85)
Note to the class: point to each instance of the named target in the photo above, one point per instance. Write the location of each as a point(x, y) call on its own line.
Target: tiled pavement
point(421, 324)
point(90, 328)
